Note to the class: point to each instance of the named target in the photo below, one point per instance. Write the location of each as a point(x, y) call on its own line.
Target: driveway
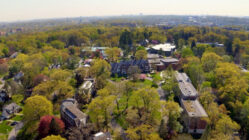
point(13, 133)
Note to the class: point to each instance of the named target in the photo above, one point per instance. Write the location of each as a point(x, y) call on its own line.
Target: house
point(102, 136)
point(2, 33)
point(216, 44)
point(169, 61)
point(155, 62)
point(121, 68)
point(100, 50)
point(18, 76)
point(9, 110)
point(54, 66)
point(188, 92)
point(3, 96)
point(194, 116)
point(71, 115)
point(162, 49)
point(159, 63)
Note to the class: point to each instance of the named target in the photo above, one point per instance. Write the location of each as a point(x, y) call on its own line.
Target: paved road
point(13, 133)
point(161, 92)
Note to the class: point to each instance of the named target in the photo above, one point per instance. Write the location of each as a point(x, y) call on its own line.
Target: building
point(71, 115)
point(18, 76)
point(169, 61)
point(188, 92)
point(3, 96)
point(9, 110)
point(100, 50)
point(216, 44)
point(102, 136)
point(160, 63)
point(2, 33)
point(194, 116)
point(122, 67)
point(162, 49)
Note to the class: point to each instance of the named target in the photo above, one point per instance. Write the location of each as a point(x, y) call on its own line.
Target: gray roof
point(193, 108)
point(185, 85)
point(10, 109)
point(169, 60)
point(152, 56)
point(70, 106)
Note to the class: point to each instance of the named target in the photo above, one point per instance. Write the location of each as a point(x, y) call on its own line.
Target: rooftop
point(70, 106)
point(152, 56)
point(185, 85)
point(164, 47)
point(194, 108)
point(169, 60)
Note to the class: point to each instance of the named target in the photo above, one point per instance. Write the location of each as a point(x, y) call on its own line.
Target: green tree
point(141, 54)
point(35, 107)
point(209, 61)
point(57, 44)
point(142, 132)
point(100, 110)
point(53, 137)
point(113, 54)
point(101, 71)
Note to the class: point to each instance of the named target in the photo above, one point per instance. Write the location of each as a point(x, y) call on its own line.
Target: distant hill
point(130, 20)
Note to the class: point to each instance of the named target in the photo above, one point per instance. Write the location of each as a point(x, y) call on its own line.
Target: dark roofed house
point(3, 96)
point(71, 115)
point(18, 76)
point(9, 110)
point(122, 67)
point(159, 63)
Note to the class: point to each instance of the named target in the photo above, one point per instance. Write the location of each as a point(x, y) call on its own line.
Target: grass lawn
point(117, 79)
point(4, 128)
point(17, 118)
point(147, 82)
point(3, 137)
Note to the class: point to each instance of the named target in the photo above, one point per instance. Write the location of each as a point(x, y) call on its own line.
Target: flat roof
point(185, 85)
point(152, 56)
point(169, 60)
point(194, 108)
point(164, 47)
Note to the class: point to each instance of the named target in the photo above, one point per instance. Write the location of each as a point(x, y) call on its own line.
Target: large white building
point(165, 49)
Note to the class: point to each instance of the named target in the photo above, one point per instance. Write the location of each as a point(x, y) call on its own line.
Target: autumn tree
point(50, 125)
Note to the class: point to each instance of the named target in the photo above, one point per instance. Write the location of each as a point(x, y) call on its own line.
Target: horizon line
point(106, 16)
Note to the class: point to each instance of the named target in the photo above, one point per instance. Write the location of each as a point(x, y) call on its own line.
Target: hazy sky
point(13, 10)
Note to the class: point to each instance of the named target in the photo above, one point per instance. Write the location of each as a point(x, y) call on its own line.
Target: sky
point(16, 10)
